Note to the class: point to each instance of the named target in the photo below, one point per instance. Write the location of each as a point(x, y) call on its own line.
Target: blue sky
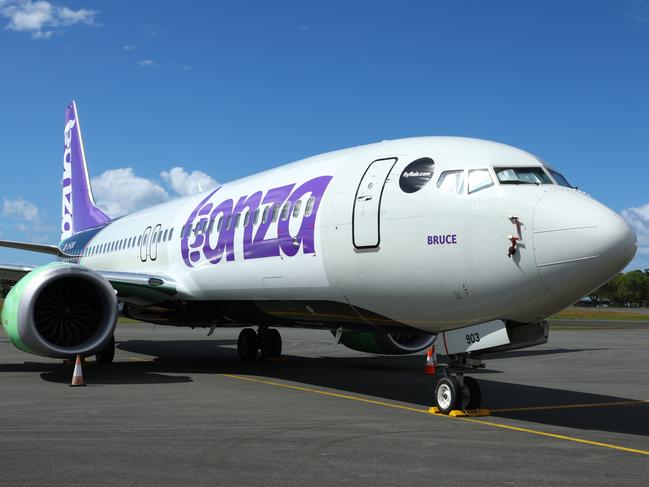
point(225, 89)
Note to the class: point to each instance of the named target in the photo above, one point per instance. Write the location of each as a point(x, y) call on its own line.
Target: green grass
point(598, 314)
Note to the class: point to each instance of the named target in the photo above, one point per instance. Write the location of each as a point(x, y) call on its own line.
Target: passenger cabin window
point(296, 208)
point(286, 210)
point(309, 206)
point(479, 179)
point(522, 175)
point(451, 182)
point(560, 180)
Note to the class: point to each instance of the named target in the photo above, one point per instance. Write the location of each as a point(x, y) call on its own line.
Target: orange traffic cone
point(77, 375)
point(430, 361)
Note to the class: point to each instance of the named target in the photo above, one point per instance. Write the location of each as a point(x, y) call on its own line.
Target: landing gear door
point(366, 219)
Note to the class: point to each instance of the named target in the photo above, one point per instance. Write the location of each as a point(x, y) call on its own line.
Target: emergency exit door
point(366, 218)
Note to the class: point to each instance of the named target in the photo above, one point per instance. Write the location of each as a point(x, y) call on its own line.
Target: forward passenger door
point(366, 217)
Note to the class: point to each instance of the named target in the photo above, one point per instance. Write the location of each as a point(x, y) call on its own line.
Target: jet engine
point(60, 310)
point(386, 343)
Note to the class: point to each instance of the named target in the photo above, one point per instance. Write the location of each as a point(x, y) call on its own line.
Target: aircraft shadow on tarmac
point(386, 378)
point(395, 378)
point(117, 373)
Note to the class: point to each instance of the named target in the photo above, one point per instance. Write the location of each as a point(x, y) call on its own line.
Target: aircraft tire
point(471, 394)
point(447, 394)
point(248, 344)
point(271, 345)
point(107, 355)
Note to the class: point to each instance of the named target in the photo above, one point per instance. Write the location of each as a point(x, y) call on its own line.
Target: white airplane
point(395, 246)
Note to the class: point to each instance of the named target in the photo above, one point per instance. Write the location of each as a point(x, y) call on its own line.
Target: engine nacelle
point(60, 310)
point(386, 343)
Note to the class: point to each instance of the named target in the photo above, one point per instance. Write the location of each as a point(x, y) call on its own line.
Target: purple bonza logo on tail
point(267, 239)
point(66, 204)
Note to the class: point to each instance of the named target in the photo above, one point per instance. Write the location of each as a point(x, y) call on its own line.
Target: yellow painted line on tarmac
point(570, 406)
point(554, 435)
point(426, 411)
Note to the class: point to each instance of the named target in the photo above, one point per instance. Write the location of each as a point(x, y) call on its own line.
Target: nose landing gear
point(454, 391)
point(268, 341)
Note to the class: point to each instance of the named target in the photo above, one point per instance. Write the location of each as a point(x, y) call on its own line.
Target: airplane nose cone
point(579, 243)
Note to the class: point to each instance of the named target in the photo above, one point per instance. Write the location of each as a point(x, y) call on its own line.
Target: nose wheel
point(457, 392)
point(268, 341)
point(447, 394)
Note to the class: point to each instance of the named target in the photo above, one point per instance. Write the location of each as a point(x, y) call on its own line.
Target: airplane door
point(366, 217)
point(155, 236)
point(144, 241)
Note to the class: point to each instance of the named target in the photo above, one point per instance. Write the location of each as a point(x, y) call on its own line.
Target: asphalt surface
point(180, 408)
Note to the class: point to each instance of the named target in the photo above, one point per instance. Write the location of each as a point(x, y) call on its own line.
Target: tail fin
point(79, 211)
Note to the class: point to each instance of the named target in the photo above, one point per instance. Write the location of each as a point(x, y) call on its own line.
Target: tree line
point(625, 289)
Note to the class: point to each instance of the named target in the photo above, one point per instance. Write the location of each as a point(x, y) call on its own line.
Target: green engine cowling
point(386, 343)
point(60, 310)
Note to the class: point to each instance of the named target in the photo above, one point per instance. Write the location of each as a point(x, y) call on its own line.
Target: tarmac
point(180, 408)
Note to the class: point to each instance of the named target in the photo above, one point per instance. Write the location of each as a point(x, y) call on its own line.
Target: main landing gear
point(107, 355)
point(268, 341)
point(455, 391)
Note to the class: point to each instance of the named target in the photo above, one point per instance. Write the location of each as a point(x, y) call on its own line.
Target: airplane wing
point(130, 286)
point(33, 247)
point(13, 273)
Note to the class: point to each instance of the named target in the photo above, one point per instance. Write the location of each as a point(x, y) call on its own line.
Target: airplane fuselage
point(397, 236)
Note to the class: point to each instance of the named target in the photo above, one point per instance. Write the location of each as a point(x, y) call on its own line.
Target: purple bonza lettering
point(269, 247)
point(197, 245)
point(191, 256)
point(290, 244)
point(225, 238)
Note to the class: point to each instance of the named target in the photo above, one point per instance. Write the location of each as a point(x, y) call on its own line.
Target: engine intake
point(60, 310)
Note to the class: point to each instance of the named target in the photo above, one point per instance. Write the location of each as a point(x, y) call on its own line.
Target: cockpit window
point(522, 175)
point(479, 179)
point(451, 182)
point(558, 177)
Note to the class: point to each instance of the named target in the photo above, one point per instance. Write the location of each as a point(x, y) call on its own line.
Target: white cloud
point(120, 191)
point(31, 223)
point(20, 208)
point(41, 18)
point(185, 183)
point(638, 218)
point(128, 47)
point(147, 63)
